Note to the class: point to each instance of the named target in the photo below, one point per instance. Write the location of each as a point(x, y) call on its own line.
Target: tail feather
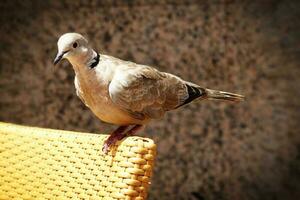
point(220, 95)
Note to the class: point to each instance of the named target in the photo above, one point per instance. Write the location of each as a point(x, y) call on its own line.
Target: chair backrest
point(38, 163)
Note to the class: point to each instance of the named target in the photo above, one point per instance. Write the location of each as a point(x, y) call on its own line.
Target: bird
point(125, 93)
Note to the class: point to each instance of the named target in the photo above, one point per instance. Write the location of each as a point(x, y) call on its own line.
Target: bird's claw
point(117, 136)
point(105, 148)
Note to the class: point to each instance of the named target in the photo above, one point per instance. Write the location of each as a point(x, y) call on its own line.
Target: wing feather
point(145, 91)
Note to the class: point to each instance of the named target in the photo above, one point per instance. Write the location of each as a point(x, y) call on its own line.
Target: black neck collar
point(95, 61)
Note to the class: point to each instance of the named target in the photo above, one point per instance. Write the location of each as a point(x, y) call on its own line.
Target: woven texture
point(39, 163)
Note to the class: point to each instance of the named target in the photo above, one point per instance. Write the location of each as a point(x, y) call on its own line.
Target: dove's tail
point(198, 93)
point(220, 95)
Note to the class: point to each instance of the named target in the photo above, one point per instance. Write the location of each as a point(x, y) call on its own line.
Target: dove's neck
point(84, 62)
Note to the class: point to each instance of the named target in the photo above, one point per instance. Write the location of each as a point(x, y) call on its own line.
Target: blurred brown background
point(210, 150)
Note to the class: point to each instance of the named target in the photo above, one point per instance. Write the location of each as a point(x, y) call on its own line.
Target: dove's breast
point(93, 91)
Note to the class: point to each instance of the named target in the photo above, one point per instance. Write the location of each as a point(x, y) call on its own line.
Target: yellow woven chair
point(38, 163)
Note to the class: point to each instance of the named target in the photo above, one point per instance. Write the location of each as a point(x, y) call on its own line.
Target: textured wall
point(210, 150)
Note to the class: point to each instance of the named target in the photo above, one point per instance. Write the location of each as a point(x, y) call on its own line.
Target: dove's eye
point(75, 44)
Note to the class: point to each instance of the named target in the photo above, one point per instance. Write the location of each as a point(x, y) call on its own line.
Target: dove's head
point(72, 46)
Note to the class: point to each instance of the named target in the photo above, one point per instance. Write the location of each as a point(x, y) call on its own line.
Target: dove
point(124, 93)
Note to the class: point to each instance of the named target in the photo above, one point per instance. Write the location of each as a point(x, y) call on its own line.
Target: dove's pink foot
point(134, 130)
point(118, 135)
point(113, 138)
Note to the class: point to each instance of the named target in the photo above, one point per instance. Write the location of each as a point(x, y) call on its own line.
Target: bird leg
point(134, 130)
point(118, 135)
point(113, 138)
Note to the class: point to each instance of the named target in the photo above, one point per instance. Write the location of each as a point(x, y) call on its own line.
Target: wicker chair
point(38, 163)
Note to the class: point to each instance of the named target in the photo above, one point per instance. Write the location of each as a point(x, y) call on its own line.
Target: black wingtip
point(193, 93)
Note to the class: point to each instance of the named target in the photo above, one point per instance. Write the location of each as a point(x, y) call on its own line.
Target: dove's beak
point(59, 56)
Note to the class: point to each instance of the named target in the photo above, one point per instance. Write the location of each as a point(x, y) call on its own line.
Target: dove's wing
point(145, 92)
